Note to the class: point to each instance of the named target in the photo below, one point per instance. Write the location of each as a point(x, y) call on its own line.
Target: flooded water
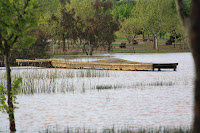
point(132, 99)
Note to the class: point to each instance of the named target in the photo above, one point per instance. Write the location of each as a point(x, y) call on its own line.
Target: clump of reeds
point(104, 87)
point(153, 83)
point(134, 85)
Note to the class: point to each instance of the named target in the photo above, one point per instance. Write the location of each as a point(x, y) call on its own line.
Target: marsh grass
point(100, 87)
point(118, 130)
point(67, 130)
point(37, 86)
point(134, 85)
point(64, 80)
point(153, 83)
point(176, 130)
point(55, 80)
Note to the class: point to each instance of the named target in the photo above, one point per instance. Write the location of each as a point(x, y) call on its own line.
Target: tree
point(130, 27)
point(154, 14)
point(173, 26)
point(75, 23)
point(103, 25)
point(91, 22)
point(191, 26)
point(83, 22)
point(37, 49)
point(17, 17)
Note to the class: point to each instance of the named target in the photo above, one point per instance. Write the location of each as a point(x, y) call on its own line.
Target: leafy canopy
point(17, 17)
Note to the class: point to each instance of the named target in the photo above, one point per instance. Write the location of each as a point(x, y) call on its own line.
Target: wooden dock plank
point(109, 64)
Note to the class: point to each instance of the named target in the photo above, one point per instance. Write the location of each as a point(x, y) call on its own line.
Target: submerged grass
point(101, 87)
point(68, 130)
point(117, 130)
point(134, 85)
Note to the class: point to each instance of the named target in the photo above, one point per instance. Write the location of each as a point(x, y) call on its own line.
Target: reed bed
point(37, 81)
point(118, 130)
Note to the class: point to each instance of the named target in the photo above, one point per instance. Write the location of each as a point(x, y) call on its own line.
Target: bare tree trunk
point(90, 48)
point(156, 40)
point(63, 37)
point(195, 45)
point(192, 28)
point(9, 90)
point(175, 42)
point(109, 46)
point(67, 43)
point(54, 47)
point(180, 44)
point(59, 44)
point(132, 39)
point(133, 48)
point(143, 35)
point(80, 46)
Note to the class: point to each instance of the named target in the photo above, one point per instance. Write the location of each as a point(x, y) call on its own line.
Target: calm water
point(140, 99)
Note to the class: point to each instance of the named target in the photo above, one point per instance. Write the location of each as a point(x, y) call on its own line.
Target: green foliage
point(17, 18)
point(15, 89)
point(188, 6)
point(122, 11)
point(82, 8)
point(3, 105)
point(48, 7)
point(130, 27)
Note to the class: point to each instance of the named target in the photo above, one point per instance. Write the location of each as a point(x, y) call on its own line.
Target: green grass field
point(141, 47)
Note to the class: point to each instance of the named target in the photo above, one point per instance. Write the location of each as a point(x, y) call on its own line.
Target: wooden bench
point(135, 42)
point(122, 45)
point(165, 66)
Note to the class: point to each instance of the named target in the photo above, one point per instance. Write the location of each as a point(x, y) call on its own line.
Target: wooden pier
point(36, 63)
point(106, 64)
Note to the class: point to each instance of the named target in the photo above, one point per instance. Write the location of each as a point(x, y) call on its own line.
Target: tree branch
point(26, 5)
point(15, 40)
point(16, 8)
point(24, 9)
point(4, 23)
point(11, 37)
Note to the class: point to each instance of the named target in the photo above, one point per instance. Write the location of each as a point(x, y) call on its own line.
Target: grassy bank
point(141, 47)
